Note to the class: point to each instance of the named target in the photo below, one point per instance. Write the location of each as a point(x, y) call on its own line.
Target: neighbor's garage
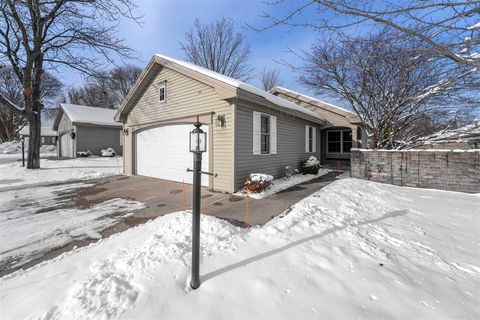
point(163, 152)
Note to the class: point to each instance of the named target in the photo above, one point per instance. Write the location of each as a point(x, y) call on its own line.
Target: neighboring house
point(48, 136)
point(249, 130)
point(342, 130)
point(82, 128)
point(467, 137)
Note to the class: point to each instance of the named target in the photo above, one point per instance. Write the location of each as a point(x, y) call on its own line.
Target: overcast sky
point(165, 23)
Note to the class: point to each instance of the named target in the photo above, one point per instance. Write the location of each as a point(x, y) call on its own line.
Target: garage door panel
point(163, 152)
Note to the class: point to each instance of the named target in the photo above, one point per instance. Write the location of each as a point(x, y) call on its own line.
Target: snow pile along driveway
point(355, 249)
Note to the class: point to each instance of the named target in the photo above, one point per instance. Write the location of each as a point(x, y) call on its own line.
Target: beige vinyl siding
point(290, 144)
point(185, 97)
point(332, 119)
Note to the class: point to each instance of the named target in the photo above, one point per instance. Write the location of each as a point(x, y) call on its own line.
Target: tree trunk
point(34, 141)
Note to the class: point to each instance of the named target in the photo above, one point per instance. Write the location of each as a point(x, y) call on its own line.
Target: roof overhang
point(350, 116)
point(259, 100)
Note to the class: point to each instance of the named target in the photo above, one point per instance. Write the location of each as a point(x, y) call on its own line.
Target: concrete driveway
point(162, 197)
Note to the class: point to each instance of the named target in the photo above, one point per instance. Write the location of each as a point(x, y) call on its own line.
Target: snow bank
point(355, 249)
point(13, 175)
point(15, 147)
point(282, 184)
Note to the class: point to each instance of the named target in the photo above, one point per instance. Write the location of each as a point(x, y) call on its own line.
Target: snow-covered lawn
point(13, 175)
point(282, 184)
point(355, 249)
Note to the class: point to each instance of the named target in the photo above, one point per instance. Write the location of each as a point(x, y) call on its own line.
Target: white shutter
point(256, 132)
point(273, 135)
point(314, 132)
point(306, 139)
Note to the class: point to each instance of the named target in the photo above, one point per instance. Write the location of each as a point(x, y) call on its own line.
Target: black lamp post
point(198, 145)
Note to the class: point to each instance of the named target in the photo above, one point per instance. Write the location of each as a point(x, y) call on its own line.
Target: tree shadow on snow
point(322, 234)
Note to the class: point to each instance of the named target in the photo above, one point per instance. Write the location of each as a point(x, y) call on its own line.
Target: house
point(82, 128)
point(341, 131)
point(466, 137)
point(48, 136)
point(249, 130)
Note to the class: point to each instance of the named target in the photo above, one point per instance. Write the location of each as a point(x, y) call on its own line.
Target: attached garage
point(66, 146)
point(163, 152)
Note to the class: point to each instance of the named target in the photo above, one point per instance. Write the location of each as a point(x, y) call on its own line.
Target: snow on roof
point(90, 115)
point(315, 99)
point(460, 134)
point(45, 131)
point(244, 86)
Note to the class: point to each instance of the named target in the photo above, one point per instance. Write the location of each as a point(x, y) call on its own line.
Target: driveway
point(162, 197)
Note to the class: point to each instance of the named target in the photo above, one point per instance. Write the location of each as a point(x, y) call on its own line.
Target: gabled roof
point(86, 115)
point(226, 87)
point(44, 131)
point(351, 116)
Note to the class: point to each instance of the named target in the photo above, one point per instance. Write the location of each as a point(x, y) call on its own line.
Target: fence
point(454, 170)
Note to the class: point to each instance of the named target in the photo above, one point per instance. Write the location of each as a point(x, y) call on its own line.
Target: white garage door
point(163, 152)
point(66, 145)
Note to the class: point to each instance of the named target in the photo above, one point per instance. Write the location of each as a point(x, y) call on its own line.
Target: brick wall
point(436, 169)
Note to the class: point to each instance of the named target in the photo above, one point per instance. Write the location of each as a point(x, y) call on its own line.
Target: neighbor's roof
point(45, 131)
point(317, 102)
point(203, 72)
point(466, 133)
point(87, 115)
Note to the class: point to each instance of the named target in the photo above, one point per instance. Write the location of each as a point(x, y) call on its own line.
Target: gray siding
point(97, 138)
point(290, 144)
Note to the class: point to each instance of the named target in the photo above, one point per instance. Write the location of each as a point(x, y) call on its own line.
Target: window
point(265, 134)
point(162, 93)
point(339, 141)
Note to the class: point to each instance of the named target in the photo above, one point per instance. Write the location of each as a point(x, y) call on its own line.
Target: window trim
point(341, 140)
point(164, 87)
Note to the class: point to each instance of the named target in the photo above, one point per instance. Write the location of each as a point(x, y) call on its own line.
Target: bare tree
point(450, 28)
point(270, 79)
point(389, 81)
point(218, 47)
point(10, 87)
point(36, 35)
point(106, 90)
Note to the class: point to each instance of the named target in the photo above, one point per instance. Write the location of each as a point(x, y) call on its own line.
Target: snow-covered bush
point(289, 171)
point(310, 166)
point(109, 152)
point(258, 182)
point(84, 154)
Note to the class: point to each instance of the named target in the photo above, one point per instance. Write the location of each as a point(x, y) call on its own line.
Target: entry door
point(163, 152)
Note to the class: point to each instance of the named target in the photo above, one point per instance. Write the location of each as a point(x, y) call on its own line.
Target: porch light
point(198, 139)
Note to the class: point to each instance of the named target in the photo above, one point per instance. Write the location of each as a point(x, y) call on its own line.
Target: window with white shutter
point(264, 134)
point(310, 139)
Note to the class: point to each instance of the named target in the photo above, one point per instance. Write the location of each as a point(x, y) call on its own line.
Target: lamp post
point(23, 151)
point(198, 145)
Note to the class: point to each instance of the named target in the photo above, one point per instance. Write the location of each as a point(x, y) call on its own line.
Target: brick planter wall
point(435, 169)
